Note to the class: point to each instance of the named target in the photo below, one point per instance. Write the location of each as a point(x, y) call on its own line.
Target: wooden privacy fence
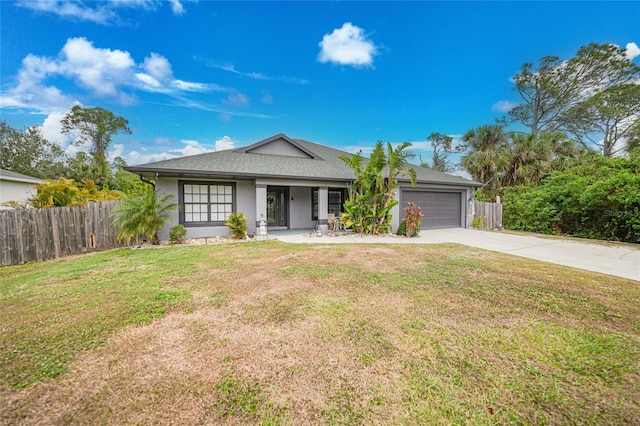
point(28, 235)
point(491, 214)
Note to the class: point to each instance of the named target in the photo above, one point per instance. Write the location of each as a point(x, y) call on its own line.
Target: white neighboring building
point(16, 187)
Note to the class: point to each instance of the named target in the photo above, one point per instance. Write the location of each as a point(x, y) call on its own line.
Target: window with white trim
point(206, 203)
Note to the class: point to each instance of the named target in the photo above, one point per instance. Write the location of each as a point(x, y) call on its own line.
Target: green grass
point(51, 310)
point(270, 333)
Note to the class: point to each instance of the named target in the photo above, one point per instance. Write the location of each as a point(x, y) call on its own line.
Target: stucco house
point(16, 187)
point(290, 184)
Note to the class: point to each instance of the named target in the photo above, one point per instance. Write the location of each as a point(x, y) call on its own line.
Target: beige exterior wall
point(15, 191)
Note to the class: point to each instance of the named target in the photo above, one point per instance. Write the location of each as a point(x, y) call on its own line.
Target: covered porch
point(299, 205)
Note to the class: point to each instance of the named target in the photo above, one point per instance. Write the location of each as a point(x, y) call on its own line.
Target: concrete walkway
point(618, 260)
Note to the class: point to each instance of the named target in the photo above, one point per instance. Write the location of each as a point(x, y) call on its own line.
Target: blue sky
point(199, 76)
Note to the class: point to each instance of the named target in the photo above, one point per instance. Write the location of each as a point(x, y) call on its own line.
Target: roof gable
point(281, 145)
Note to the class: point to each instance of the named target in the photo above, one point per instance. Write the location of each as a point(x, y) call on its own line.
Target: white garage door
point(440, 209)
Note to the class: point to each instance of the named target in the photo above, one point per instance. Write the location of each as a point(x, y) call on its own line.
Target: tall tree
point(95, 126)
point(29, 153)
point(442, 146)
point(553, 92)
point(608, 118)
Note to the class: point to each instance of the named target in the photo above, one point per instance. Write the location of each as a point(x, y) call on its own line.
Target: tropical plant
point(177, 234)
point(531, 157)
point(142, 217)
point(485, 156)
point(67, 192)
point(368, 209)
point(413, 218)
point(237, 223)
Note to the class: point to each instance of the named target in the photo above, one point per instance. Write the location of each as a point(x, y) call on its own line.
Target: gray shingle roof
point(237, 163)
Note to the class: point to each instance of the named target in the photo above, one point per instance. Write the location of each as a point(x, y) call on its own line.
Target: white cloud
point(347, 45)
point(70, 9)
point(632, 50)
point(191, 147)
point(117, 151)
point(253, 75)
point(158, 67)
point(103, 72)
point(267, 98)
point(102, 12)
point(177, 7)
point(236, 99)
point(503, 106)
point(225, 142)
point(52, 130)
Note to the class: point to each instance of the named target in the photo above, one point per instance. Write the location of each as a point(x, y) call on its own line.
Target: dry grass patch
point(270, 333)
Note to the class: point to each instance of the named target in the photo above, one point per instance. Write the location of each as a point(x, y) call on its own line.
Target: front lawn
point(273, 333)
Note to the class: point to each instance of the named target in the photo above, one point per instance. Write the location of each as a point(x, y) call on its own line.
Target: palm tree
point(534, 156)
point(486, 154)
point(142, 216)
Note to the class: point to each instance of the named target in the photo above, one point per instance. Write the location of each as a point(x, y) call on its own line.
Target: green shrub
point(402, 229)
point(599, 199)
point(478, 222)
point(177, 234)
point(237, 223)
point(142, 216)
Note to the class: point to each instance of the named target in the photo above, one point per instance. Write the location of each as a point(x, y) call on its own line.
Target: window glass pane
point(207, 203)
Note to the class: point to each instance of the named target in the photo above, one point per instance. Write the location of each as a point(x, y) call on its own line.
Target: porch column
point(261, 204)
point(323, 208)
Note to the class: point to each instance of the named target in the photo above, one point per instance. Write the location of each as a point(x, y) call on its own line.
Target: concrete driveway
point(619, 260)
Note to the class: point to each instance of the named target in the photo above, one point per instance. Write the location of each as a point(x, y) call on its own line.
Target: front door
point(277, 206)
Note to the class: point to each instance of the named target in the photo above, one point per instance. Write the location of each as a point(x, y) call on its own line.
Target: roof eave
point(156, 172)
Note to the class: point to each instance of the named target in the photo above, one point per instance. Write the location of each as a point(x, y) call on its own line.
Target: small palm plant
point(142, 216)
point(237, 223)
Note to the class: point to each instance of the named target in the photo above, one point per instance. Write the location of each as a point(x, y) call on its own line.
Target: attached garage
point(441, 209)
